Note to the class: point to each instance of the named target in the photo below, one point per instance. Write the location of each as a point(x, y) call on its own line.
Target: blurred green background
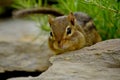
point(105, 13)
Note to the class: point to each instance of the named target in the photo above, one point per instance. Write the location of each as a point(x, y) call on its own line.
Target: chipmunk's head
point(64, 35)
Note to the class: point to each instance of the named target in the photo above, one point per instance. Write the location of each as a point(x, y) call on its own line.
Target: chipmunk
point(68, 33)
point(72, 32)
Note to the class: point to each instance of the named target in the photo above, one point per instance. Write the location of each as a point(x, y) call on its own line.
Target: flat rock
point(22, 56)
point(98, 62)
point(12, 30)
point(23, 47)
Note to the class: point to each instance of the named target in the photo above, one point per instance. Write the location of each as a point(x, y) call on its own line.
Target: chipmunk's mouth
point(60, 46)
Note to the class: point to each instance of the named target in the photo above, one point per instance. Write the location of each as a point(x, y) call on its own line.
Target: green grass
point(41, 20)
point(105, 13)
point(22, 4)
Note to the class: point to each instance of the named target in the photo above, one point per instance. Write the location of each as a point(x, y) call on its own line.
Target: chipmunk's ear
point(71, 18)
point(50, 19)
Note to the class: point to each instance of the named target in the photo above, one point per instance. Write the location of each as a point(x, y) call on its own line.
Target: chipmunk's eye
point(68, 31)
point(51, 34)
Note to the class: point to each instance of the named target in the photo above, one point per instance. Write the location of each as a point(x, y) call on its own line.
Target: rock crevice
point(98, 62)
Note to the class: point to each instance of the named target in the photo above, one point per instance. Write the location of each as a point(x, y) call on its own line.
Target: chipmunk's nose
point(61, 45)
point(58, 42)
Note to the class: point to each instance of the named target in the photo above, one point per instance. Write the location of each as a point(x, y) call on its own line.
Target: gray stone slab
point(98, 62)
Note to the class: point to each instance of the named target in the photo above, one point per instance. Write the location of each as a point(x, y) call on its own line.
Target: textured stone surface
point(98, 62)
point(17, 30)
point(19, 50)
point(22, 56)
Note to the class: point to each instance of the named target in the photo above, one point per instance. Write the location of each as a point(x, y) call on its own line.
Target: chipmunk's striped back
point(72, 32)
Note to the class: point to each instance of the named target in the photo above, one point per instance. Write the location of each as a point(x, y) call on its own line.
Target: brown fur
point(83, 32)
